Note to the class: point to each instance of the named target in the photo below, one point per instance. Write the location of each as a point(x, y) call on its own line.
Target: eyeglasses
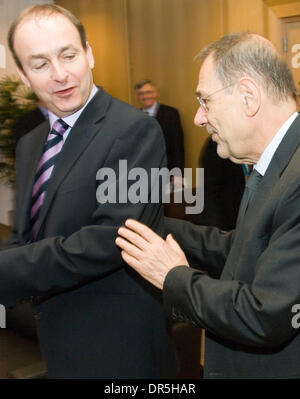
point(202, 100)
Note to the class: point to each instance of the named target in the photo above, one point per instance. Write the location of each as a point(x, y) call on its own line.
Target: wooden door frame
point(276, 12)
point(283, 8)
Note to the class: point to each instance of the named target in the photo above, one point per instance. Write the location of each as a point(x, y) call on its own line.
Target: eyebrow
point(59, 51)
point(199, 94)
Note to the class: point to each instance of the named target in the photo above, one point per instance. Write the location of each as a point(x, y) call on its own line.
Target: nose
point(200, 117)
point(59, 73)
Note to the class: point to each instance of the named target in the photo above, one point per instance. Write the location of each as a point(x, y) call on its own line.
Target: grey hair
point(245, 53)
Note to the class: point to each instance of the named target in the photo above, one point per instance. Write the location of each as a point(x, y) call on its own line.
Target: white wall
point(9, 9)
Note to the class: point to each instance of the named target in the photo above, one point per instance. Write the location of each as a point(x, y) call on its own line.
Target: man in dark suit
point(248, 104)
point(168, 118)
point(96, 318)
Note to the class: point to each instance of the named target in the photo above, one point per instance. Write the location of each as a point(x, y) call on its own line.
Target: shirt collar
point(269, 152)
point(152, 110)
point(71, 119)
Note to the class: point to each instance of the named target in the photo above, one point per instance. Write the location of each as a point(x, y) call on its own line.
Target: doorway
point(291, 48)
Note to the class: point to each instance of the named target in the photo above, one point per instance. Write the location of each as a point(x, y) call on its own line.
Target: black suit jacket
point(247, 313)
point(224, 183)
point(28, 122)
point(169, 120)
point(96, 318)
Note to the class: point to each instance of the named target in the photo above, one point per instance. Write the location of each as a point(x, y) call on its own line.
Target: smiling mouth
point(65, 92)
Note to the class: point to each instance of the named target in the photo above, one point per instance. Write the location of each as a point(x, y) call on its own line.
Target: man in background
point(95, 318)
point(168, 118)
point(247, 101)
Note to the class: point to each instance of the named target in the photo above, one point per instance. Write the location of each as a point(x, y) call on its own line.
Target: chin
point(222, 154)
point(69, 110)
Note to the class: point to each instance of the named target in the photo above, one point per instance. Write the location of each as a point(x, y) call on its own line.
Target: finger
point(173, 243)
point(130, 260)
point(131, 249)
point(143, 230)
point(132, 237)
point(136, 265)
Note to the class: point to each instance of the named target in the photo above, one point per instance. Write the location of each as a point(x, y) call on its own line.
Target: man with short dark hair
point(168, 118)
point(247, 102)
point(95, 318)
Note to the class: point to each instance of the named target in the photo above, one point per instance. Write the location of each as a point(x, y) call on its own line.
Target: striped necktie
point(45, 168)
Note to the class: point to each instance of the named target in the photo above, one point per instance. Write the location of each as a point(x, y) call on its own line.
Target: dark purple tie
point(45, 167)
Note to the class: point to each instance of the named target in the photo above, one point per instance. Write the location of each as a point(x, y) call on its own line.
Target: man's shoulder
point(35, 132)
point(115, 105)
point(167, 108)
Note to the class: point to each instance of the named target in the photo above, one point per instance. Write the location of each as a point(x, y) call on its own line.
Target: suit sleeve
point(55, 264)
point(205, 247)
point(256, 314)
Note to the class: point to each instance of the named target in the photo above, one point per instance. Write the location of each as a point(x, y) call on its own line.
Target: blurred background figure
point(168, 118)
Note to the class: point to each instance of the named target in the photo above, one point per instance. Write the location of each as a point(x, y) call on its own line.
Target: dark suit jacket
point(224, 183)
point(96, 319)
point(28, 122)
point(248, 312)
point(169, 120)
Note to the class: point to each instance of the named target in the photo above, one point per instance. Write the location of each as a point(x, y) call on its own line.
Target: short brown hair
point(247, 53)
point(142, 83)
point(39, 10)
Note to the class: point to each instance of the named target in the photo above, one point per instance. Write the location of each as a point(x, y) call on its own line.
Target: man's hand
point(147, 253)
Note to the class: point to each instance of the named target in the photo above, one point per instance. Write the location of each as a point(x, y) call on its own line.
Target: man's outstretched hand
point(147, 253)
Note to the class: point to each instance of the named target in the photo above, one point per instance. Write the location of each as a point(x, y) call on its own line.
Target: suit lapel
point(280, 160)
point(27, 171)
point(251, 223)
point(85, 128)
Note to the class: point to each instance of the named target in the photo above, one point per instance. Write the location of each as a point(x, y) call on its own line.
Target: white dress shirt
point(267, 155)
point(152, 111)
point(71, 119)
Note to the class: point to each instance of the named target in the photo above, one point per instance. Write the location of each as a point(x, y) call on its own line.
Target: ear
point(250, 96)
point(90, 56)
point(23, 77)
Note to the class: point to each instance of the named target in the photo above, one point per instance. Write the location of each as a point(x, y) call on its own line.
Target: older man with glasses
point(248, 104)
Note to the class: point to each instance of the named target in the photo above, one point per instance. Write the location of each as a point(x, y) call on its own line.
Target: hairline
point(38, 11)
point(243, 38)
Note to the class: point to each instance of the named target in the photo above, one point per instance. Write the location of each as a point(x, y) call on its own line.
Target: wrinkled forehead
point(36, 18)
point(40, 34)
point(208, 79)
point(40, 22)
